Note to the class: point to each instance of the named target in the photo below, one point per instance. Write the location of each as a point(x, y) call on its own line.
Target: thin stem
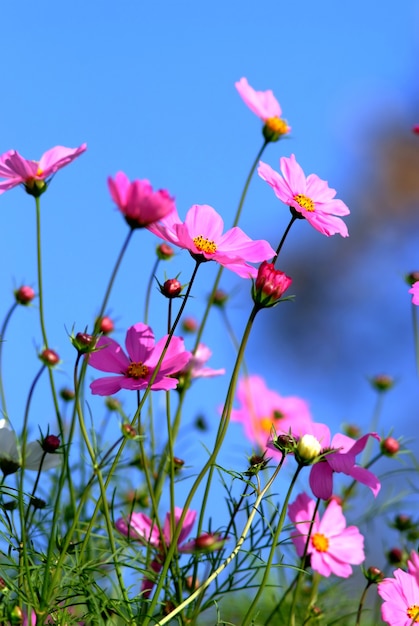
point(228, 560)
point(362, 602)
point(284, 236)
point(112, 279)
point(2, 334)
point(267, 570)
point(148, 290)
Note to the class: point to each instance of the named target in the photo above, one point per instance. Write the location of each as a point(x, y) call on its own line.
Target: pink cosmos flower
point(415, 293)
point(310, 197)
point(332, 547)
point(342, 459)
point(401, 599)
point(413, 565)
point(202, 234)
point(196, 365)
point(264, 105)
point(261, 409)
point(135, 370)
point(18, 170)
point(141, 528)
point(137, 201)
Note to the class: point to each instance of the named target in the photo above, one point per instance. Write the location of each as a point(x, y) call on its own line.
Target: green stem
point(362, 602)
point(227, 561)
point(2, 334)
point(148, 290)
point(248, 617)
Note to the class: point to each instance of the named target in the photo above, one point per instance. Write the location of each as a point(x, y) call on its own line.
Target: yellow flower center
point(413, 613)
point(137, 370)
point(39, 172)
point(205, 245)
point(266, 424)
point(304, 202)
point(320, 542)
point(277, 125)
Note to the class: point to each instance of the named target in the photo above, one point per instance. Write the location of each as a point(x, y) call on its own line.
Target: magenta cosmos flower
point(262, 409)
point(266, 106)
point(135, 370)
point(140, 528)
point(415, 293)
point(332, 546)
point(340, 457)
point(401, 599)
point(196, 367)
point(137, 201)
point(34, 175)
point(202, 234)
point(270, 285)
point(309, 198)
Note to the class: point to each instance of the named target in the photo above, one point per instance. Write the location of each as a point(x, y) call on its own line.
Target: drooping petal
point(321, 480)
point(108, 356)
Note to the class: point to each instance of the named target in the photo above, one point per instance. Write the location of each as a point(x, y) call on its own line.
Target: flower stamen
point(305, 202)
point(413, 613)
point(205, 245)
point(137, 370)
point(277, 125)
point(320, 542)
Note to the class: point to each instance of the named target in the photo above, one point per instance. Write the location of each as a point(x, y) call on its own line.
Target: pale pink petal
point(415, 293)
point(262, 103)
point(202, 219)
point(56, 158)
point(139, 342)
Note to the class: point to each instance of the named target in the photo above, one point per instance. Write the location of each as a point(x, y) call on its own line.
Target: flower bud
point(164, 251)
point(16, 616)
point(189, 583)
point(412, 278)
point(308, 448)
point(178, 463)
point(219, 298)
point(67, 394)
point(415, 129)
point(84, 343)
point(49, 357)
point(395, 556)
point(402, 522)
point(128, 431)
point(189, 325)
point(209, 542)
point(38, 503)
point(389, 446)
point(3, 586)
point(171, 288)
point(351, 430)
point(373, 575)
point(104, 325)
point(24, 295)
point(270, 285)
point(284, 443)
point(112, 404)
point(50, 444)
point(382, 382)
point(257, 463)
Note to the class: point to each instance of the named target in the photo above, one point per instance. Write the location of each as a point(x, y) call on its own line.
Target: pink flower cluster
point(401, 595)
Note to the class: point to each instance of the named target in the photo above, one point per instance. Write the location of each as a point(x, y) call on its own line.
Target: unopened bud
point(49, 357)
point(209, 542)
point(16, 616)
point(112, 404)
point(402, 522)
point(374, 575)
point(389, 446)
point(178, 463)
point(50, 444)
point(219, 298)
point(171, 288)
point(382, 382)
point(38, 503)
point(67, 394)
point(189, 325)
point(308, 448)
point(104, 325)
point(84, 343)
point(352, 431)
point(395, 556)
point(24, 295)
point(164, 252)
point(129, 431)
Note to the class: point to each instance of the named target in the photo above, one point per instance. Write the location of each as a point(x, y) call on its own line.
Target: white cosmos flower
point(11, 457)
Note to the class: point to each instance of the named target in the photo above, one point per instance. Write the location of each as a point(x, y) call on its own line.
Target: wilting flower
point(415, 293)
point(266, 106)
point(202, 234)
point(35, 175)
point(332, 546)
point(36, 456)
point(263, 409)
point(137, 201)
point(339, 456)
point(140, 528)
point(135, 370)
point(270, 285)
point(309, 198)
point(401, 599)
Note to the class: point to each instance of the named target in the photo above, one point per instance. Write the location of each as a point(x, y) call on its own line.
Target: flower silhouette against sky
point(134, 371)
point(137, 201)
point(17, 170)
point(333, 547)
point(401, 599)
point(310, 196)
point(264, 105)
point(202, 234)
point(261, 408)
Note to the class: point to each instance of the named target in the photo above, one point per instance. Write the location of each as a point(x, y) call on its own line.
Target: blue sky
point(150, 88)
